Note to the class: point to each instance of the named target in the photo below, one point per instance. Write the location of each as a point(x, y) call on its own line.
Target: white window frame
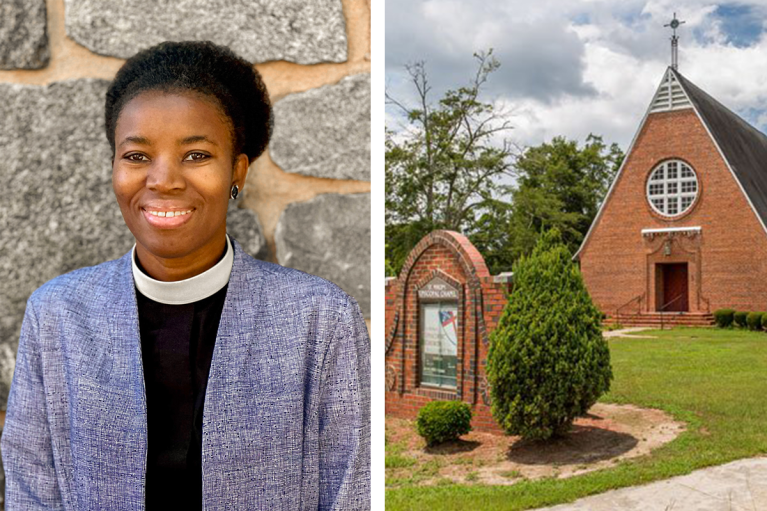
point(675, 198)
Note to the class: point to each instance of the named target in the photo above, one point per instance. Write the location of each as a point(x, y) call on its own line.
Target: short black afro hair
point(204, 68)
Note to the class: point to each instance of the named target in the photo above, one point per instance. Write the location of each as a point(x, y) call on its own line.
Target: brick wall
point(727, 262)
point(453, 258)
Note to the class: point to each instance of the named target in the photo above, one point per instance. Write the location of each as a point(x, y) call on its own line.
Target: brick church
point(682, 231)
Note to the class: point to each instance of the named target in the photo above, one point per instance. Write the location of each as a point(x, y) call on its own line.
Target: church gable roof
point(743, 147)
point(670, 95)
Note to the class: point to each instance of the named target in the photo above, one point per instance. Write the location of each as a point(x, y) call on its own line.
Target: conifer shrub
point(724, 317)
point(740, 318)
point(547, 362)
point(754, 320)
point(442, 421)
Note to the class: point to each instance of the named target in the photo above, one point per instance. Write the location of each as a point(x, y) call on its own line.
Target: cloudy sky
point(574, 67)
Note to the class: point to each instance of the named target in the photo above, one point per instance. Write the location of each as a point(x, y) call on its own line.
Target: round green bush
point(547, 361)
point(764, 320)
point(441, 421)
point(754, 320)
point(724, 317)
point(741, 319)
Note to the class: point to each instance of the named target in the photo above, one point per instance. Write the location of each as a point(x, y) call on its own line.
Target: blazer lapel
point(124, 332)
point(235, 331)
point(110, 412)
point(229, 386)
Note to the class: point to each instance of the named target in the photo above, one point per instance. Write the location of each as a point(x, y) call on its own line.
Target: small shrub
point(764, 320)
point(754, 320)
point(441, 421)
point(724, 317)
point(740, 319)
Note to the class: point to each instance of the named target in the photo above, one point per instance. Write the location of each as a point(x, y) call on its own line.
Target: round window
point(672, 188)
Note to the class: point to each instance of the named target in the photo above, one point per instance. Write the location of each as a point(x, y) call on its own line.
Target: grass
point(420, 473)
point(472, 476)
point(712, 379)
point(399, 461)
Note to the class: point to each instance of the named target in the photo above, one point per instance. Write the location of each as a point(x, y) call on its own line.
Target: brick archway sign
point(446, 261)
point(470, 259)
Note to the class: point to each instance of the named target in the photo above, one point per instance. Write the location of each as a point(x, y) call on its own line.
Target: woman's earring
point(235, 191)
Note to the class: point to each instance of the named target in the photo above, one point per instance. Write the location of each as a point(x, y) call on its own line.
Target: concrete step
point(653, 319)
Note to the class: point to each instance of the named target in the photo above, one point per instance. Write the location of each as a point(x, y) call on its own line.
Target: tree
point(492, 236)
point(387, 265)
point(559, 185)
point(442, 168)
point(547, 361)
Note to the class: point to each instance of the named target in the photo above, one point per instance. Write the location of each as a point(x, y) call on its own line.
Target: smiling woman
point(173, 181)
point(186, 374)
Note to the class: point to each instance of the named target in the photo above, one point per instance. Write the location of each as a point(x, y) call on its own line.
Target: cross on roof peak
point(674, 24)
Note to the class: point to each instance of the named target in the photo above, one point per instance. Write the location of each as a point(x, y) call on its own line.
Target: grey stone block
point(23, 35)
point(325, 132)
point(57, 208)
point(301, 31)
point(329, 236)
point(242, 224)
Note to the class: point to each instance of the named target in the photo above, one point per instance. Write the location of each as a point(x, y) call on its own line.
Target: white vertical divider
point(377, 302)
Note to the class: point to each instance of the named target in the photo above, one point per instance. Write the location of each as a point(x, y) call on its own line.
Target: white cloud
point(574, 67)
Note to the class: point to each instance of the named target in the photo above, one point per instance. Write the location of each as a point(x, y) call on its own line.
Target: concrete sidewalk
point(628, 332)
point(737, 486)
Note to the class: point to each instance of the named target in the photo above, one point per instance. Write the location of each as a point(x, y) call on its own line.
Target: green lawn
point(714, 380)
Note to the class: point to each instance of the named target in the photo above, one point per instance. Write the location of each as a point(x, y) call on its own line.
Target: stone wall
point(306, 203)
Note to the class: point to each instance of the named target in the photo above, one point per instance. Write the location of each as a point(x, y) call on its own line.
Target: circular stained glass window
point(672, 188)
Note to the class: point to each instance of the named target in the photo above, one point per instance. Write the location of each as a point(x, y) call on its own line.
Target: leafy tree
point(547, 362)
point(442, 167)
point(388, 266)
point(492, 236)
point(559, 185)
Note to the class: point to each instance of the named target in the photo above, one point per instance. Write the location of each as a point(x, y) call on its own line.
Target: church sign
point(438, 289)
point(439, 333)
point(439, 312)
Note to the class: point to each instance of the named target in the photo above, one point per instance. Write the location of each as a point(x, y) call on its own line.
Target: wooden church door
point(674, 297)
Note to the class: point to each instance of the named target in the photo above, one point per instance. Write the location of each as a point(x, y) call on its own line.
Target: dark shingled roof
point(744, 147)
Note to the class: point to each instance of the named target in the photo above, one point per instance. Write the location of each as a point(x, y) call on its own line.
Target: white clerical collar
point(185, 291)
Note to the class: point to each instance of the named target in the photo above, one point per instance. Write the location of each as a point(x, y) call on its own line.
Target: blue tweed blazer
point(286, 423)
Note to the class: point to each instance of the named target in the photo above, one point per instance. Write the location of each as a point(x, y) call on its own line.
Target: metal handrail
point(618, 310)
point(666, 305)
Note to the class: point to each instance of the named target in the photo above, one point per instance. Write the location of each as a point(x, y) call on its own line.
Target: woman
point(186, 374)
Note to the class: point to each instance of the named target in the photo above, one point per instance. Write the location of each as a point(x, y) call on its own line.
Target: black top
point(177, 347)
